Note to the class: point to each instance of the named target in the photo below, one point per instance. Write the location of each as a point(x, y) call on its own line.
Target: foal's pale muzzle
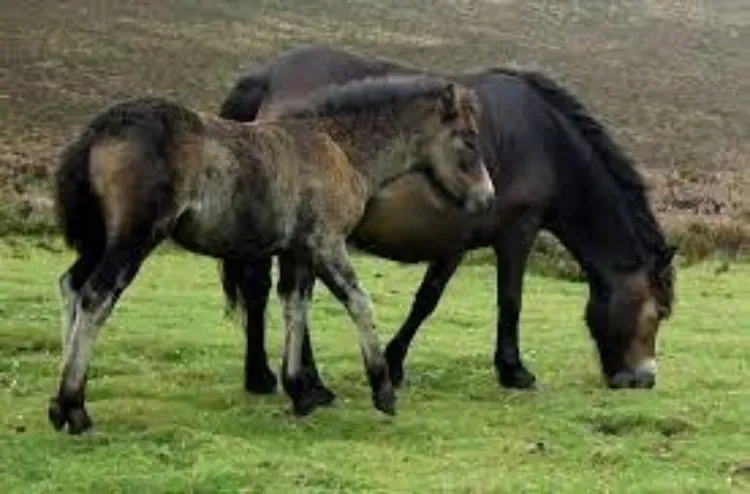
point(481, 196)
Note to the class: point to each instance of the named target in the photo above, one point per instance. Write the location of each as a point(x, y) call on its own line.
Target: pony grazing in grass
point(555, 168)
point(148, 170)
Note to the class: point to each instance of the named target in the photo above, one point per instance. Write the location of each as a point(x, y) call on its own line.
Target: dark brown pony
point(554, 167)
point(148, 170)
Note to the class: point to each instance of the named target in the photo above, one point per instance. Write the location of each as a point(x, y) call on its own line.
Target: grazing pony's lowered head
point(614, 234)
point(624, 315)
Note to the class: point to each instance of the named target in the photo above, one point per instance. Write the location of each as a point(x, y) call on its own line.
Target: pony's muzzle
point(481, 196)
point(642, 377)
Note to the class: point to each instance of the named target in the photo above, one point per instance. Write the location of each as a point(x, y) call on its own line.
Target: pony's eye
point(470, 144)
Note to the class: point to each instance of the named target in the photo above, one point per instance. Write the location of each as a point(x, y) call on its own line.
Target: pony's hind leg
point(250, 281)
point(295, 291)
point(337, 273)
point(70, 284)
point(97, 297)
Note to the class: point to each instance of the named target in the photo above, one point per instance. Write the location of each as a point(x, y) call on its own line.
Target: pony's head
point(624, 318)
point(448, 149)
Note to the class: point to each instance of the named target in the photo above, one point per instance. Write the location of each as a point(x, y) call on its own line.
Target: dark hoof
point(517, 378)
point(304, 404)
point(322, 395)
point(307, 393)
point(395, 363)
point(385, 400)
point(262, 382)
point(76, 418)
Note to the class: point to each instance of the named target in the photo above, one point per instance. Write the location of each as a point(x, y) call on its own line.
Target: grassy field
point(165, 393)
point(669, 78)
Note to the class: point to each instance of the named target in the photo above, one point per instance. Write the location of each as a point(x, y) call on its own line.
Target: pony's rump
point(151, 124)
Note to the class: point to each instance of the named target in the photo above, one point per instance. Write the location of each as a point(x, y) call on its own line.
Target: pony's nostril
point(645, 380)
point(621, 380)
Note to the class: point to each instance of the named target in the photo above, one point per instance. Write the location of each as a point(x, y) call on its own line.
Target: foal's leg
point(70, 284)
point(253, 277)
point(433, 284)
point(98, 295)
point(512, 251)
point(337, 273)
point(295, 290)
point(323, 395)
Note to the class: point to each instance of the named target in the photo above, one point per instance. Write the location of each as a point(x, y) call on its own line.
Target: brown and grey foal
point(148, 170)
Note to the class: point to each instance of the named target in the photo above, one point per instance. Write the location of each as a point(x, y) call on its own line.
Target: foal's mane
point(617, 163)
point(364, 94)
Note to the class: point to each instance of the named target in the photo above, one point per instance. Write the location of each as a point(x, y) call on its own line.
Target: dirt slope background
point(670, 78)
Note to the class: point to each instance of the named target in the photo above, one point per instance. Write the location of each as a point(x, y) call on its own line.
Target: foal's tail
point(244, 100)
point(78, 210)
point(152, 125)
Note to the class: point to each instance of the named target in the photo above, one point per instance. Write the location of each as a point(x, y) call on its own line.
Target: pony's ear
point(448, 102)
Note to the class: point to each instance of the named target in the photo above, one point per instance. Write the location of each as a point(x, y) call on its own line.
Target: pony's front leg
point(512, 250)
point(338, 275)
point(97, 297)
point(433, 285)
point(295, 292)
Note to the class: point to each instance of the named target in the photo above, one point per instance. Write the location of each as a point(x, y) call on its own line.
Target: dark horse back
point(269, 82)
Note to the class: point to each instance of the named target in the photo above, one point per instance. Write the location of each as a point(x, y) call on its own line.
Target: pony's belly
point(223, 233)
point(408, 221)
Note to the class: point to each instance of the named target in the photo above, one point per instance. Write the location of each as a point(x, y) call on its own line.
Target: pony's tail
point(78, 210)
point(244, 100)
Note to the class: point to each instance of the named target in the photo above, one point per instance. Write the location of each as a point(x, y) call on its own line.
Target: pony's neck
point(381, 145)
point(600, 232)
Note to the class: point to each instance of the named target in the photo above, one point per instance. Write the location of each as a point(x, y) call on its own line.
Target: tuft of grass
point(165, 392)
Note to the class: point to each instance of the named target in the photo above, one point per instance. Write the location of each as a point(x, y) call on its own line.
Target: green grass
point(170, 415)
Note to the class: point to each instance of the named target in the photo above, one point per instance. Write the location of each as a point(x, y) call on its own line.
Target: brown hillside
point(669, 77)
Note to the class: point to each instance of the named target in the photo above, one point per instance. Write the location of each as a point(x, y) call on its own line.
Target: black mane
point(365, 94)
point(619, 165)
point(616, 162)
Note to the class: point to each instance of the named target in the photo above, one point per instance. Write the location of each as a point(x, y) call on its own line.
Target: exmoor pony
point(555, 167)
point(149, 170)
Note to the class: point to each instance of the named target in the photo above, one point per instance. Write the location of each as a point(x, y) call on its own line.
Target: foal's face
point(451, 150)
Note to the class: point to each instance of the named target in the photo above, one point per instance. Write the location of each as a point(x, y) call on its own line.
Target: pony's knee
point(359, 304)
